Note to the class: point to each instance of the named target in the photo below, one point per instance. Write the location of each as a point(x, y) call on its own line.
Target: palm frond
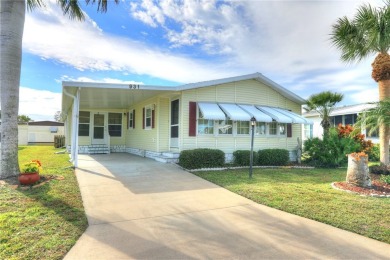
point(72, 9)
point(323, 102)
point(102, 4)
point(32, 4)
point(367, 33)
point(374, 117)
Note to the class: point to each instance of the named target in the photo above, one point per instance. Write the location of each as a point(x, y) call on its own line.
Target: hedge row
point(201, 158)
point(211, 158)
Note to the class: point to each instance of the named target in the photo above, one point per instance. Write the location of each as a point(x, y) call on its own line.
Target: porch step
point(168, 157)
point(98, 149)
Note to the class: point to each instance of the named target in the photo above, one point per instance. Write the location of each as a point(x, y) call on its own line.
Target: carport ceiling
point(111, 98)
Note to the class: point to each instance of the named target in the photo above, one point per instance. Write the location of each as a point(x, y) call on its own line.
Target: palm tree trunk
point(12, 15)
point(384, 131)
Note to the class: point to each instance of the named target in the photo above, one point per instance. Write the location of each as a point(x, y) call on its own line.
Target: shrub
point(385, 178)
point(348, 131)
point(242, 157)
point(201, 158)
point(382, 169)
point(374, 154)
point(273, 157)
point(331, 151)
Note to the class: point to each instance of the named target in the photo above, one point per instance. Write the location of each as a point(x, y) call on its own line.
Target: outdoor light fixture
point(253, 123)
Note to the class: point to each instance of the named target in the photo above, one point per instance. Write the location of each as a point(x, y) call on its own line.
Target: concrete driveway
point(138, 208)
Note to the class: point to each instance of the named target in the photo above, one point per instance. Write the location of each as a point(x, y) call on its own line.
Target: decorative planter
point(28, 178)
point(358, 172)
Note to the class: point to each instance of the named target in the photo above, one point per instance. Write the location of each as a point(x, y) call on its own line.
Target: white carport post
point(75, 132)
point(75, 129)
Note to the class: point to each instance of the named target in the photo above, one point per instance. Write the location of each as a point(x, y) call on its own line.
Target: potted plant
point(30, 172)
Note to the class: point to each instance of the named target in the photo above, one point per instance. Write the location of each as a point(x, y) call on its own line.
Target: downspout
point(74, 131)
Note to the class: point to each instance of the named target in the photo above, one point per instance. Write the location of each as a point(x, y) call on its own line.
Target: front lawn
point(42, 222)
point(307, 193)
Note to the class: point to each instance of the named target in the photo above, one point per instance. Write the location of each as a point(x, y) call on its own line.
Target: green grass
point(307, 193)
point(44, 222)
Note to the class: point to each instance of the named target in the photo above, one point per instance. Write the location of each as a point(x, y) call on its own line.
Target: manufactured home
point(160, 121)
point(344, 115)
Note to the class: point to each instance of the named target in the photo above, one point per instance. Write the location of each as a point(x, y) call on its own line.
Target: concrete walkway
point(138, 208)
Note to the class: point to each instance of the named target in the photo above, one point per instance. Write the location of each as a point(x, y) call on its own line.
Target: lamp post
point(253, 123)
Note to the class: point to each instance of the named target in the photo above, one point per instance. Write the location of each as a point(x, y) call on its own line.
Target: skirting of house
point(165, 157)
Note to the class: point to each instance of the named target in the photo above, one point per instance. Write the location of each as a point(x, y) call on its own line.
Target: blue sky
point(170, 43)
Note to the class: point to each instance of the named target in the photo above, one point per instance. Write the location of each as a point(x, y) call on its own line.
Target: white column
point(76, 129)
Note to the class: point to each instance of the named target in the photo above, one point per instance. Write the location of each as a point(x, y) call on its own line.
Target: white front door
point(99, 128)
point(175, 124)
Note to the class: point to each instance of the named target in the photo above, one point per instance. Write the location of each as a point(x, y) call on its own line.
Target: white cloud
point(103, 80)
point(287, 41)
point(39, 104)
point(84, 46)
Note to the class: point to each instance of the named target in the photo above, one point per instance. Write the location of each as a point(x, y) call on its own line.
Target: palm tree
point(12, 16)
point(374, 117)
point(366, 34)
point(323, 103)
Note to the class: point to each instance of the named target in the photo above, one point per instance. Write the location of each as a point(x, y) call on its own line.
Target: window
point(225, 127)
point(308, 131)
point(242, 127)
point(349, 119)
point(84, 121)
point(374, 134)
point(261, 128)
point(282, 129)
point(273, 128)
point(205, 126)
point(148, 117)
point(53, 129)
point(338, 120)
point(115, 124)
point(131, 119)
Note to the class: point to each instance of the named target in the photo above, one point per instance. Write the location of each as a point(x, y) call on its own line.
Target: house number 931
point(133, 86)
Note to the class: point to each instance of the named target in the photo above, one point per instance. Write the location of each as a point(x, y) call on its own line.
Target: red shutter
point(152, 118)
point(133, 118)
point(289, 130)
point(143, 118)
point(192, 119)
point(128, 115)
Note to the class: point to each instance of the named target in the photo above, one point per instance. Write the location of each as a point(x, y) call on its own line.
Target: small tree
point(24, 119)
point(58, 116)
point(373, 118)
point(323, 103)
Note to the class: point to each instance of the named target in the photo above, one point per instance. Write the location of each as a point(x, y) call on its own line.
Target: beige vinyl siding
point(244, 92)
point(42, 134)
point(22, 134)
point(139, 138)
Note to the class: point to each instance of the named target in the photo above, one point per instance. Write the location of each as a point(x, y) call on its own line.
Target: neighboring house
point(345, 115)
point(39, 132)
point(159, 121)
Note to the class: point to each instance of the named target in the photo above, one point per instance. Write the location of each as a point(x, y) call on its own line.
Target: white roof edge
point(343, 110)
point(257, 76)
point(115, 85)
